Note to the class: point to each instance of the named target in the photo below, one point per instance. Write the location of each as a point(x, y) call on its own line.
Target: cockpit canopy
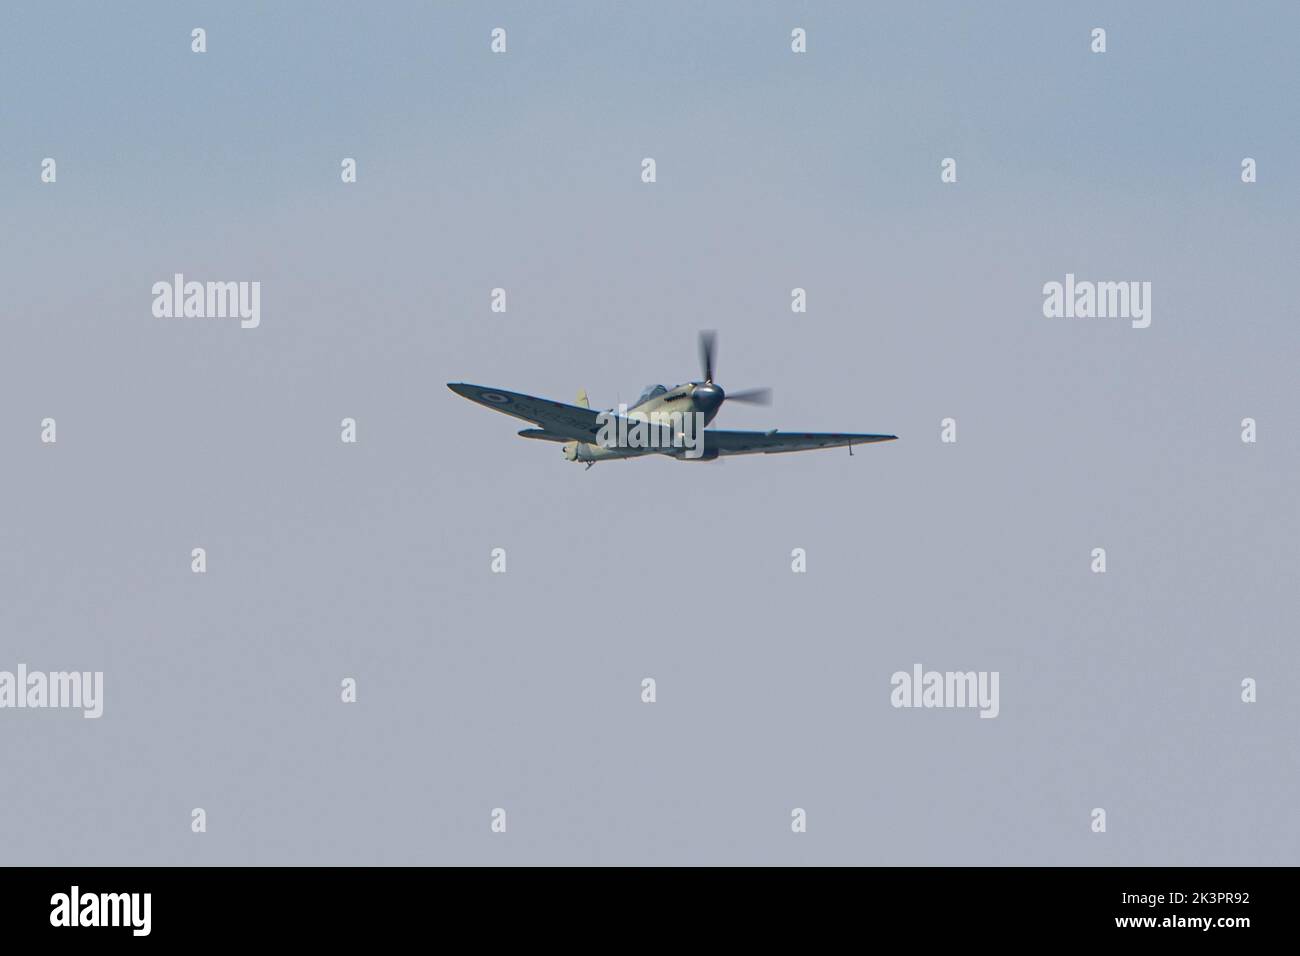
point(651, 391)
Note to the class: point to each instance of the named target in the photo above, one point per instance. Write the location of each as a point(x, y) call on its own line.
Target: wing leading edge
point(774, 443)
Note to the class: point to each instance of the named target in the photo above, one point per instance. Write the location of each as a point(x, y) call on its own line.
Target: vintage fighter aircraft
point(579, 427)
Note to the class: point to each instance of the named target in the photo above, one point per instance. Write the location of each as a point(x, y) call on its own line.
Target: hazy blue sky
point(522, 690)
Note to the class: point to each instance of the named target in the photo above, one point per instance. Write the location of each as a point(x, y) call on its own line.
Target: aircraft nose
point(707, 397)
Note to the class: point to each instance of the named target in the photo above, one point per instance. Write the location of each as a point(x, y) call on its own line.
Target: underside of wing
point(543, 435)
point(560, 422)
point(773, 443)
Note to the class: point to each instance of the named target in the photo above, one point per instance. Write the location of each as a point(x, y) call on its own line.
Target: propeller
point(752, 396)
point(709, 396)
point(708, 346)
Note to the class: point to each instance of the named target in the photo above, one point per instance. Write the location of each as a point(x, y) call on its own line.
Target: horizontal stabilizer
point(543, 434)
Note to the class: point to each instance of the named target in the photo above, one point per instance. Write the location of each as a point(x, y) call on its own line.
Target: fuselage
point(701, 399)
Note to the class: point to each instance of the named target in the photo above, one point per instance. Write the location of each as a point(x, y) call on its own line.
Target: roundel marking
point(496, 398)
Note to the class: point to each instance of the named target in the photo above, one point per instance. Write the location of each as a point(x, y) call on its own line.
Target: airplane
point(578, 427)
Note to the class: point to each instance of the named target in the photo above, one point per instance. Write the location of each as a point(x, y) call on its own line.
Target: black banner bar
point(387, 904)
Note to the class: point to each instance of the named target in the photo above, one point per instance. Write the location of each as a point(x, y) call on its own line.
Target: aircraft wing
point(543, 435)
point(774, 442)
point(559, 421)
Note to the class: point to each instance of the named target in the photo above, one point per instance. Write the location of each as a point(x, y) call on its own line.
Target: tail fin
point(582, 398)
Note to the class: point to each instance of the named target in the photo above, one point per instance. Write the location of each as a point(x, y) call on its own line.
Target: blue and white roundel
point(496, 398)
